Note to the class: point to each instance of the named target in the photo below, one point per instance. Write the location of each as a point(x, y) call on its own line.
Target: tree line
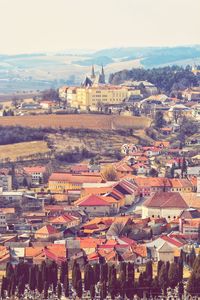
point(98, 279)
point(167, 79)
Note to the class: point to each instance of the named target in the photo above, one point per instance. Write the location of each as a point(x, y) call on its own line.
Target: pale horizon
point(31, 26)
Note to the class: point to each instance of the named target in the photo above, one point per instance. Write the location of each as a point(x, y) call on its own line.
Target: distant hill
point(99, 61)
point(38, 71)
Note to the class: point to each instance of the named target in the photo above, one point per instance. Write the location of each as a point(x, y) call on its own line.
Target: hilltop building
point(94, 79)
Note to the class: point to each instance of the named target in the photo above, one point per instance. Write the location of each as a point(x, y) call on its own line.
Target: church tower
point(93, 73)
point(102, 76)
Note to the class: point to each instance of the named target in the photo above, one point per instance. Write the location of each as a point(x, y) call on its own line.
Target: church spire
point(102, 75)
point(93, 73)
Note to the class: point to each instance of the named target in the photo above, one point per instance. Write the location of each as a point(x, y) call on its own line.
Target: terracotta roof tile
point(166, 200)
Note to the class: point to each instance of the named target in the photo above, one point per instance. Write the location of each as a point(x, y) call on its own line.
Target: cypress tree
point(54, 270)
point(155, 288)
point(149, 273)
point(180, 269)
point(3, 287)
point(13, 285)
point(9, 270)
point(66, 286)
point(162, 278)
point(160, 263)
point(32, 278)
point(122, 279)
point(92, 291)
point(40, 282)
point(59, 291)
point(21, 286)
point(192, 257)
point(96, 269)
point(46, 288)
point(88, 277)
point(130, 271)
point(44, 271)
point(79, 290)
point(76, 275)
point(173, 275)
point(112, 283)
point(129, 287)
point(63, 271)
point(180, 290)
point(103, 290)
point(191, 284)
point(104, 272)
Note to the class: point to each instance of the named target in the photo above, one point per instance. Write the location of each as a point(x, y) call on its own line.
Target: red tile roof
point(47, 229)
point(93, 200)
point(63, 219)
point(172, 241)
point(76, 178)
point(36, 169)
point(166, 200)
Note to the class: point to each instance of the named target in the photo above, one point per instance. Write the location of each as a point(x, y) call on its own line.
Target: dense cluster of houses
point(80, 214)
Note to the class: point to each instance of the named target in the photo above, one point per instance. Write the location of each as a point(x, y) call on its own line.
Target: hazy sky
point(51, 25)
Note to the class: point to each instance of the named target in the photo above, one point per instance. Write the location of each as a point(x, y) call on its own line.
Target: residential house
point(167, 205)
point(5, 182)
point(58, 182)
point(64, 220)
point(96, 205)
point(47, 232)
point(37, 174)
point(3, 223)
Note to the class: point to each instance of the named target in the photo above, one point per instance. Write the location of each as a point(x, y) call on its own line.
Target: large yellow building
point(92, 97)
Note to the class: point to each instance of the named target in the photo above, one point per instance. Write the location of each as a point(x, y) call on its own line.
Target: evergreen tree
point(63, 271)
point(192, 257)
point(129, 289)
point(9, 270)
point(184, 168)
point(191, 284)
point(88, 277)
point(173, 275)
point(46, 288)
point(180, 290)
point(59, 291)
point(172, 171)
point(3, 286)
point(159, 120)
point(122, 279)
point(155, 287)
point(149, 272)
point(162, 278)
point(66, 286)
point(79, 289)
point(76, 275)
point(160, 263)
point(103, 290)
point(21, 286)
point(96, 269)
point(32, 278)
point(113, 283)
point(92, 291)
point(104, 272)
point(180, 268)
point(40, 282)
point(44, 271)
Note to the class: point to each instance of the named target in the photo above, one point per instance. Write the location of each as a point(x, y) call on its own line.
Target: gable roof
point(62, 219)
point(93, 200)
point(36, 169)
point(166, 200)
point(47, 229)
point(76, 178)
